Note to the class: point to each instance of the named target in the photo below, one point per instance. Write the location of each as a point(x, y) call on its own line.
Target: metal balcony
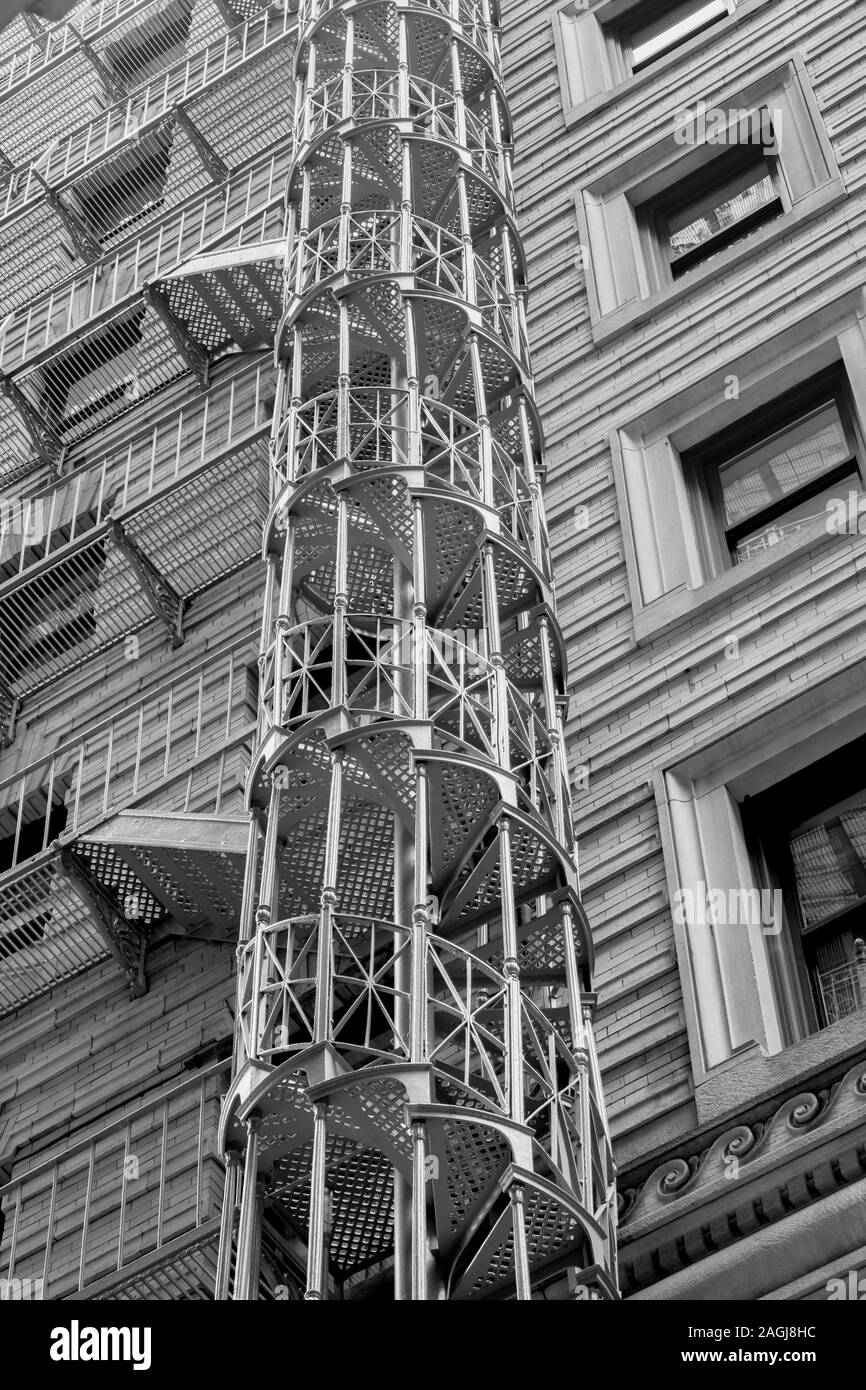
point(134, 536)
point(123, 124)
point(237, 213)
point(88, 26)
point(206, 276)
point(138, 819)
point(842, 992)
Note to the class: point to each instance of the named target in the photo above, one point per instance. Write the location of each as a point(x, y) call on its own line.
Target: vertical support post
point(419, 1213)
point(521, 1251)
point(227, 1221)
point(405, 1013)
point(316, 1272)
point(250, 1228)
point(511, 971)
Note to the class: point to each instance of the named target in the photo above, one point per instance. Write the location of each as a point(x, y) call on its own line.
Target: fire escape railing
point(68, 157)
point(137, 1203)
point(183, 748)
point(233, 413)
point(245, 209)
point(90, 561)
point(31, 61)
point(158, 741)
point(140, 296)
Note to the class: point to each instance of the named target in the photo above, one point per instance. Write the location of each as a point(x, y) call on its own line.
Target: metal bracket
point(35, 26)
point(48, 445)
point(167, 606)
point(229, 14)
point(114, 89)
point(194, 356)
point(9, 705)
point(83, 238)
point(213, 163)
point(125, 940)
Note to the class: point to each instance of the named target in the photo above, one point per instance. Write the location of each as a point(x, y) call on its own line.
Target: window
point(55, 625)
point(655, 30)
point(719, 487)
point(605, 45)
point(37, 830)
point(737, 193)
point(95, 381)
point(764, 832)
point(807, 835)
point(710, 191)
point(769, 476)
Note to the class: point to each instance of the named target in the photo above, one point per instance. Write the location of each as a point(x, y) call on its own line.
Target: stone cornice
point(753, 1174)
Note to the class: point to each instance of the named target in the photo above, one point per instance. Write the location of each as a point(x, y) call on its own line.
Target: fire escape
point(416, 1104)
point(168, 214)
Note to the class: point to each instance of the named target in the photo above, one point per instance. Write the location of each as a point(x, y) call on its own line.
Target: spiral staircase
point(415, 1101)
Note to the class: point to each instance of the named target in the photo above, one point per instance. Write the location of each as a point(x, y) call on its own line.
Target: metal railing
point(179, 738)
point(124, 1192)
point(302, 675)
point(369, 425)
point(247, 205)
point(361, 982)
point(32, 60)
point(376, 241)
point(231, 414)
point(66, 157)
point(469, 14)
point(842, 991)
point(375, 95)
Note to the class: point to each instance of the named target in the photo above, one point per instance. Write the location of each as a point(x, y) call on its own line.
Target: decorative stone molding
point(699, 1201)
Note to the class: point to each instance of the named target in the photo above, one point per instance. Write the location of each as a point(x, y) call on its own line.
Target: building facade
point(296, 970)
point(690, 187)
point(296, 974)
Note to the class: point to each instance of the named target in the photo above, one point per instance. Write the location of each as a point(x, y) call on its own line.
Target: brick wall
point(637, 707)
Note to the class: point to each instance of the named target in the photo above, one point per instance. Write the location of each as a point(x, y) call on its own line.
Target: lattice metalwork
point(415, 1085)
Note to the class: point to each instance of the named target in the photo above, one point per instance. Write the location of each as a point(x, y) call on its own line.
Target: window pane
point(707, 217)
point(830, 863)
point(763, 537)
point(674, 26)
point(790, 460)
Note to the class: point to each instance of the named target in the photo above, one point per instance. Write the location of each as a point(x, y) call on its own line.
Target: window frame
point(734, 1022)
point(702, 465)
point(770, 821)
point(668, 559)
point(592, 62)
point(624, 30)
point(722, 169)
point(628, 280)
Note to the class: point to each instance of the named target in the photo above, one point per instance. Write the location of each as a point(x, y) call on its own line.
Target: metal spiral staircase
point(416, 1097)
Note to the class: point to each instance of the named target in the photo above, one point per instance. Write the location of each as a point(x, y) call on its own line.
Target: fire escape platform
point(192, 865)
point(207, 834)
